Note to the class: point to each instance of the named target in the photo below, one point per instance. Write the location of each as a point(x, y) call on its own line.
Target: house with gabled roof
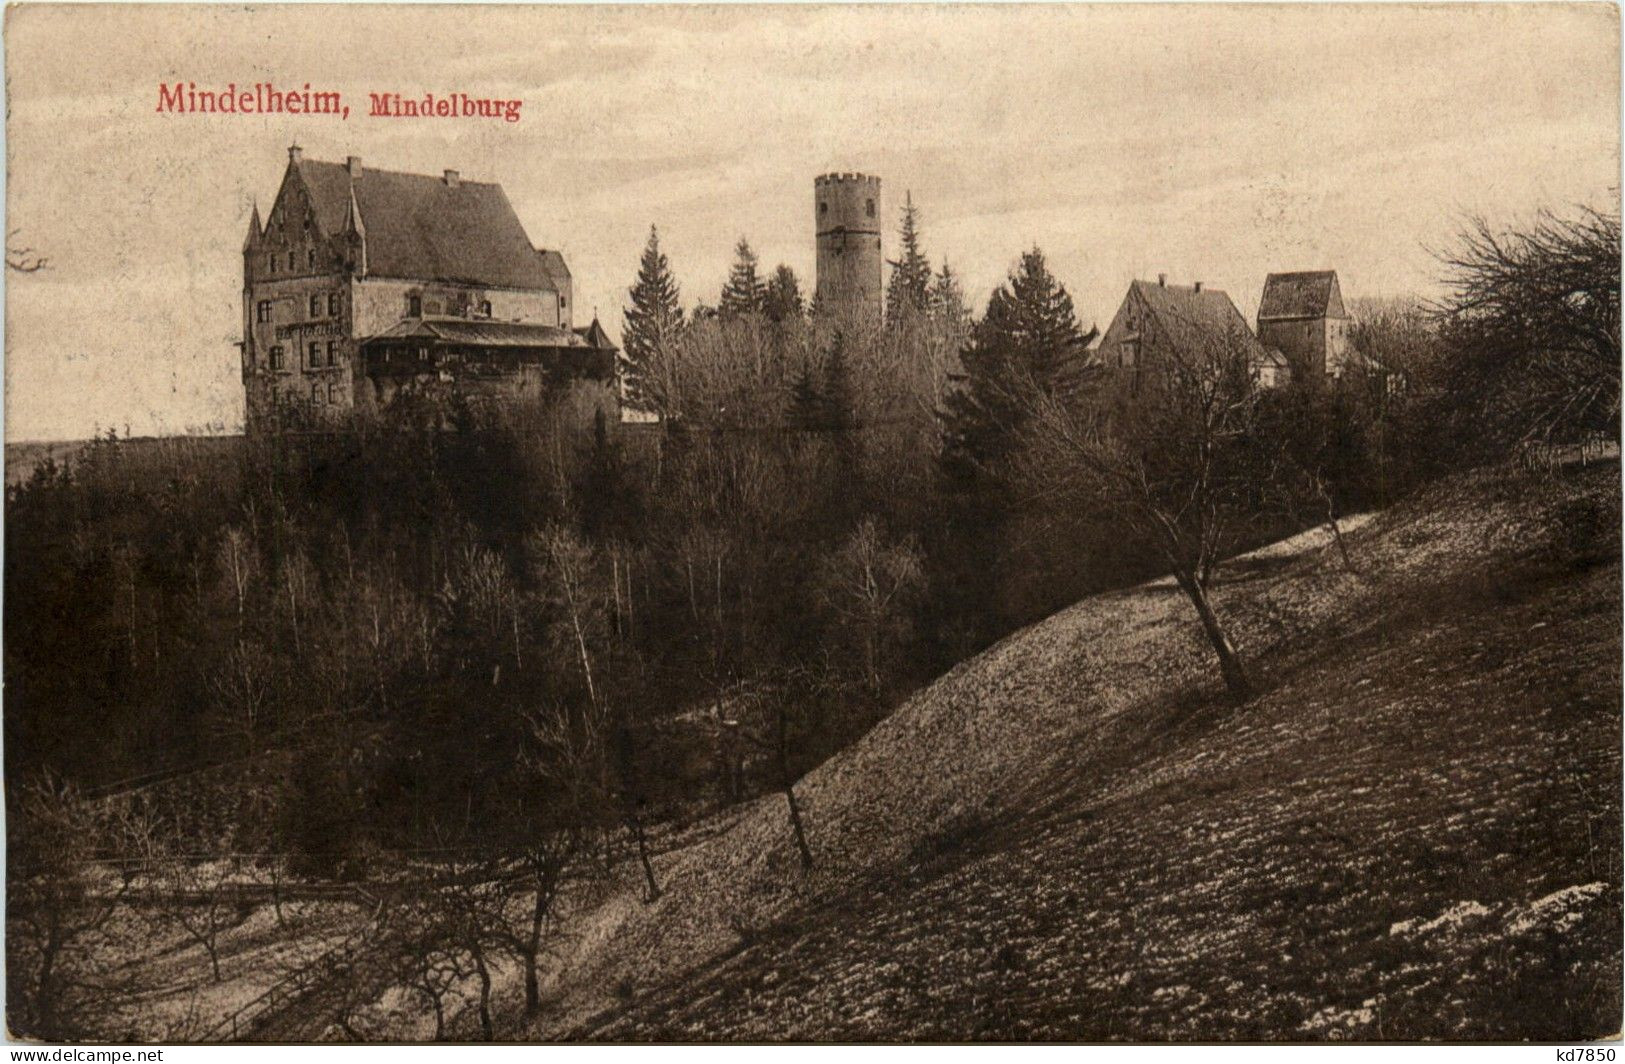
point(362, 284)
point(1302, 315)
point(1157, 321)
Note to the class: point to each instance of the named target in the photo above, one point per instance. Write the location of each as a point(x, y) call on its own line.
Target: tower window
point(333, 391)
point(315, 304)
point(870, 208)
point(563, 302)
point(823, 208)
point(291, 261)
point(315, 354)
point(310, 258)
point(332, 352)
point(333, 304)
point(276, 357)
point(316, 393)
point(270, 264)
point(262, 312)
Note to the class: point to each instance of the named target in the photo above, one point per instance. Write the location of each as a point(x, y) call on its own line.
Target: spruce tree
point(651, 322)
point(782, 301)
point(910, 285)
point(1029, 338)
point(947, 301)
point(744, 294)
point(806, 400)
point(840, 401)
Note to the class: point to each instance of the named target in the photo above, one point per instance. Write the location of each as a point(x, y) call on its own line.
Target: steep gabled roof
point(1306, 294)
point(1192, 319)
point(426, 228)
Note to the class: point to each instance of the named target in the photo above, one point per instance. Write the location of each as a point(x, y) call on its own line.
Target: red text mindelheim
point(263, 97)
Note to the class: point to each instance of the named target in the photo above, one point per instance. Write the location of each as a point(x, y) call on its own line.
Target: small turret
point(256, 231)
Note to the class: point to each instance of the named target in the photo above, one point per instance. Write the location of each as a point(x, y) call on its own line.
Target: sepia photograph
point(654, 524)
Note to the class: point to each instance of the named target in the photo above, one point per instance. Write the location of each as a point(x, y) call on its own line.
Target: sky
point(1206, 141)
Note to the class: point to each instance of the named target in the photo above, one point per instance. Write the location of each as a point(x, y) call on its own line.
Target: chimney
point(1198, 286)
point(451, 178)
point(295, 153)
point(1162, 280)
point(353, 163)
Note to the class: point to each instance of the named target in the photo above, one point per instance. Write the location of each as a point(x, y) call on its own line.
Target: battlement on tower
point(846, 178)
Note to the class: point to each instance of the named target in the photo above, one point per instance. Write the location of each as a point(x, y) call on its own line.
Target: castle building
point(1158, 321)
point(847, 220)
point(364, 284)
point(1302, 315)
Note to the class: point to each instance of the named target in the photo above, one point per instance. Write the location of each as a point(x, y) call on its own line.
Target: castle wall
point(293, 329)
point(381, 302)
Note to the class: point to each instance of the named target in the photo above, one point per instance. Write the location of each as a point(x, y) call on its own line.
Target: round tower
point(847, 219)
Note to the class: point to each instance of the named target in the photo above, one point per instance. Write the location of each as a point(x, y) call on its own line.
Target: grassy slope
point(1414, 834)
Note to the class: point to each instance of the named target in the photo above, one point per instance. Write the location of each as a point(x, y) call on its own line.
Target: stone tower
point(847, 218)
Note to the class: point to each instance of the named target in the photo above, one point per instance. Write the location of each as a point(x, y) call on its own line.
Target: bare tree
point(1532, 318)
point(1162, 451)
point(70, 867)
point(866, 583)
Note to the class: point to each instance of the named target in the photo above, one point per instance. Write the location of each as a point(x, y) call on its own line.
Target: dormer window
point(414, 306)
point(485, 308)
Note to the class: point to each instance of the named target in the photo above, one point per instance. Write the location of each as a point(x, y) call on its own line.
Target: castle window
point(316, 393)
point(870, 208)
point(292, 261)
point(333, 304)
point(333, 391)
point(262, 312)
point(270, 264)
point(414, 306)
point(276, 357)
point(332, 352)
point(315, 304)
point(315, 354)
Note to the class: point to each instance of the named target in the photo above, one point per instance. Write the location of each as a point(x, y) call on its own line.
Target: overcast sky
point(1210, 142)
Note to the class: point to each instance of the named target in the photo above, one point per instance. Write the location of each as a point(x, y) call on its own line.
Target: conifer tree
point(1029, 338)
point(651, 322)
point(947, 300)
point(744, 293)
point(782, 301)
point(806, 400)
point(840, 401)
point(910, 285)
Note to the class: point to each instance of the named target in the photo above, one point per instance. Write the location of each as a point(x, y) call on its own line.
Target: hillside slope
point(1414, 834)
